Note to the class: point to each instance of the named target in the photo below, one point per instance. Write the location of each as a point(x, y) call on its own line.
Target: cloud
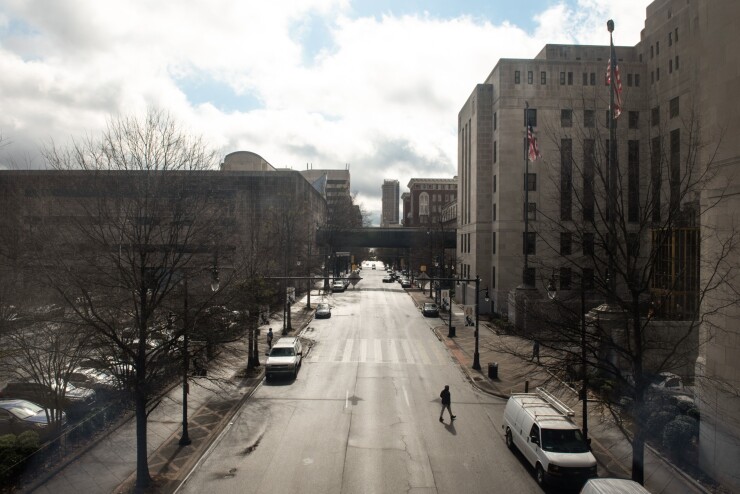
point(297, 82)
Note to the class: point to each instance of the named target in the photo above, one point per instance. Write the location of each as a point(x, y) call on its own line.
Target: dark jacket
point(445, 395)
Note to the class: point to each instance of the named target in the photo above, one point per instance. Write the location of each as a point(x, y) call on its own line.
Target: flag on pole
point(615, 82)
point(534, 151)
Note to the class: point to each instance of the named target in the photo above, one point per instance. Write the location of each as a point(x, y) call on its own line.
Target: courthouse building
point(679, 102)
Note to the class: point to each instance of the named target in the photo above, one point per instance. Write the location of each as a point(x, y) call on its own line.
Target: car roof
point(17, 402)
point(286, 341)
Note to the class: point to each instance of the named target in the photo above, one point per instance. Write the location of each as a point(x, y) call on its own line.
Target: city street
point(363, 414)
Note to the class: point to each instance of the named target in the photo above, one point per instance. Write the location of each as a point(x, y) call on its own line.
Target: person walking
point(446, 403)
point(269, 339)
point(536, 351)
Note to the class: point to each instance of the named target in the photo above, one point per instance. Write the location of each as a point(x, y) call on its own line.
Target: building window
point(593, 78)
point(673, 107)
point(495, 122)
point(493, 276)
point(565, 278)
point(566, 118)
point(588, 244)
point(670, 39)
point(629, 80)
point(531, 211)
point(637, 80)
point(530, 276)
point(633, 245)
point(530, 117)
point(589, 119)
point(494, 151)
point(655, 176)
point(587, 278)
point(652, 77)
point(633, 180)
point(585, 78)
point(657, 74)
point(652, 53)
point(670, 66)
point(494, 183)
point(655, 116)
point(493, 212)
point(566, 240)
point(633, 119)
point(493, 242)
point(423, 204)
point(675, 35)
point(562, 78)
point(676, 64)
point(543, 78)
point(530, 181)
point(657, 48)
point(530, 77)
point(589, 166)
point(570, 78)
point(530, 243)
point(566, 179)
point(517, 77)
point(675, 170)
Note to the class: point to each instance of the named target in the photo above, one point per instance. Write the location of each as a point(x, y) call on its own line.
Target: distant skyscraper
point(389, 215)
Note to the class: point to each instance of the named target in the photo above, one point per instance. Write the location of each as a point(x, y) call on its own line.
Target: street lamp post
point(476, 354)
point(215, 285)
point(552, 294)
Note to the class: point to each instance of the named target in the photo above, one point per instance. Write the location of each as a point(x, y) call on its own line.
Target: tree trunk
point(638, 454)
point(251, 344)
point(142, 463)
point(255, 348)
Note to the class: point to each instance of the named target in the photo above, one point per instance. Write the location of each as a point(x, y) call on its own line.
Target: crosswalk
point(380, 350)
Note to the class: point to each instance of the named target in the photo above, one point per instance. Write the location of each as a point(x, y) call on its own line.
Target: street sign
point(423, 268)
point(341, 254)
point(354, 278)
point(422, 279)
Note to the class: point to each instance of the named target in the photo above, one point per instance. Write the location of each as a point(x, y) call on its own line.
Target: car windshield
point(430, 306)
point(282, 352)
point(563, 441)
point(26, 410)
point(323, 307)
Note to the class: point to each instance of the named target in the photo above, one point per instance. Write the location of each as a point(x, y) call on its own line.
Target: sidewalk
point(109, 465)
point(611, 448)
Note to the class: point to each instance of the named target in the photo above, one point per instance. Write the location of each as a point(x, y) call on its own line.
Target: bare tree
point(132, 226)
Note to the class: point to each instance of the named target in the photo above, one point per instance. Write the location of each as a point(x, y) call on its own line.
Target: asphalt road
point(363, 414)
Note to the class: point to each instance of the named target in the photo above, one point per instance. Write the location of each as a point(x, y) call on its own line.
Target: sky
point(373, 85)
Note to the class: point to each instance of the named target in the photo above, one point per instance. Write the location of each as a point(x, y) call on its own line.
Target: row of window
point(566, 78)
point(655, 74)
point(672, 37)
point(435, 186)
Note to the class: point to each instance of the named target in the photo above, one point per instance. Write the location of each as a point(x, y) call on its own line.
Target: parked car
point(17, 416)
point(323, 311)
point(405, 283)
point(74, 397)
point(338, 286)
point(667, 385)
point(387, 279)
point(613, 486)
point(430, 309)
point(284, 358)
point(98, 379)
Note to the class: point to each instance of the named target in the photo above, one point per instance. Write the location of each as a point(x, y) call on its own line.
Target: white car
point(338, 286)
point(284, 358)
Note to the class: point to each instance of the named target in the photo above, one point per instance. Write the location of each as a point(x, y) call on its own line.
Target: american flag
point(534, 151)
point(617, 84)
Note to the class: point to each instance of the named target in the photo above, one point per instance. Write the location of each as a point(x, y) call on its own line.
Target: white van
point(613, 486)
point(284, 358)
point(541, 427)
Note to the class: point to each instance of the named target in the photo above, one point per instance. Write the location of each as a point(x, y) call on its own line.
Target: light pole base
point(476, 361)
point(184, 441)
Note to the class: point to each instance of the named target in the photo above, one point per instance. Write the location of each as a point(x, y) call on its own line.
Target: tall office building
point(391, 191)
point(679, 92)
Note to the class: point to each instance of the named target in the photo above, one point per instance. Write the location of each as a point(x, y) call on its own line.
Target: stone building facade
point(390, 194)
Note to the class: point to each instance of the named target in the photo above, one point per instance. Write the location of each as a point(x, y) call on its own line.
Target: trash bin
point(493, 370)
point(451, 332)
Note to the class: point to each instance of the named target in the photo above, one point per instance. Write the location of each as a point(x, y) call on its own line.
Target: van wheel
point(509, 439)
point(540, 475)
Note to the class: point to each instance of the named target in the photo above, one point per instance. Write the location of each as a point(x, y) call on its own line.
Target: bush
point(13, 449)
point(656, 423)
point(679, 433)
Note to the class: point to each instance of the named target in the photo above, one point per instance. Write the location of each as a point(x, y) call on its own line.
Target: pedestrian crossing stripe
point(379, 350)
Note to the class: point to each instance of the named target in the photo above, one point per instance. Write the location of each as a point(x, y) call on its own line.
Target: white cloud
point(382, 95)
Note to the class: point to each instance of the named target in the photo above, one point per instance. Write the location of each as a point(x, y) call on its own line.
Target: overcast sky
point(376, 84)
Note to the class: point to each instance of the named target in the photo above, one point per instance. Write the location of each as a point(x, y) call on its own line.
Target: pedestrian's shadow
point(450, 427)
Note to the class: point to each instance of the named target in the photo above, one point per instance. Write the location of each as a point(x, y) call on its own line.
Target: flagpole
point(526, 194)
point(611, 174)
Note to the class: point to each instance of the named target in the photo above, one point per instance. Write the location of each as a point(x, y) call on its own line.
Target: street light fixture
point(552, 294)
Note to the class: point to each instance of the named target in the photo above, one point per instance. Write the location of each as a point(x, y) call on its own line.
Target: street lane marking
point(406, 396)
point(346, 400)
point(347, 356)
point(392, 351)
point(363, 350)
point(378, 351)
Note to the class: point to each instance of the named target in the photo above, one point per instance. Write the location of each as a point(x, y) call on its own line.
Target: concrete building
point(334, 185)
point(679, 93)
point(390, 194)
